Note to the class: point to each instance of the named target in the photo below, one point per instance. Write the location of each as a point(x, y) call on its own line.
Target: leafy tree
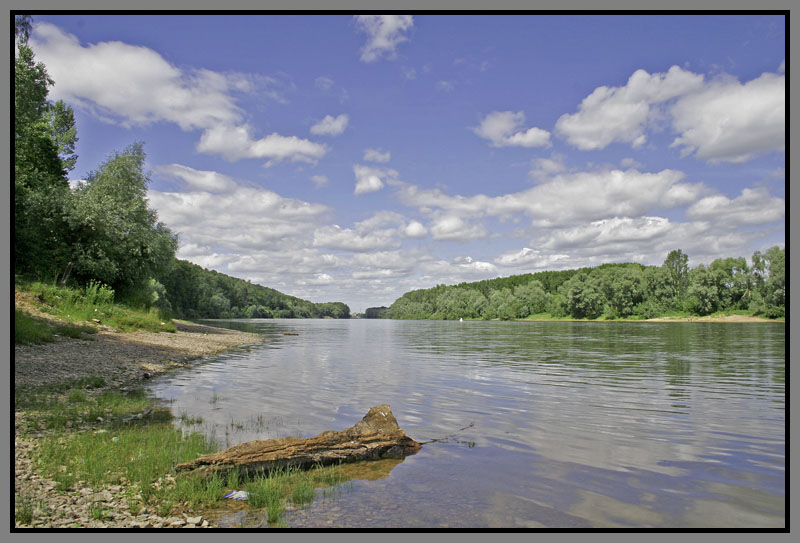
point(116, 238)
point(532, 298)
point(584, 296)
point(677, 267)
point(624, 288)
point(44, 139)
point(735, 282)
point(704, 290)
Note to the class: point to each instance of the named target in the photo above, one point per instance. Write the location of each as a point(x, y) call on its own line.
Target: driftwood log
point(375, 436)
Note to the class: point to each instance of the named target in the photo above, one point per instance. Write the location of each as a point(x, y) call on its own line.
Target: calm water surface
point(547, 424)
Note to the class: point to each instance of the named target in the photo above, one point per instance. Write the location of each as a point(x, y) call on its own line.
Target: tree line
point(610, 291)
point(190, 291)
point(102, 231)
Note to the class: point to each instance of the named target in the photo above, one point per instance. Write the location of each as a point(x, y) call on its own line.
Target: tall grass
point(95, 303)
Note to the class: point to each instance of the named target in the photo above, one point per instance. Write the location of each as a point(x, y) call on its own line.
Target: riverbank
point(735, 318)
point(110, 363)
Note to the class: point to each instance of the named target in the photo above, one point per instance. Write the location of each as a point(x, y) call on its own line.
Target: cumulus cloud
point(753, 206)
point(384, 34)
point(236, 142)
point(733, 122)
point(371, 179)
point(376, 155)
point(563, 199)
point(645, 239)
point(346, 239)
point(415, 230)
point(208, 181)
point(620, 114)
point(133, 85)
point(330, 126)
point(240, 219)
point(717, 120)
point(130, 84)
point(454, 228)
point(459, 269)
point(530, 258)
point(504, 129)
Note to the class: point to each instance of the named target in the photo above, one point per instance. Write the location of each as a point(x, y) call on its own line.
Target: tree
point(116, 238)
point(677, 266)
point(584, 296)
point(42, 133)
point(532, 298)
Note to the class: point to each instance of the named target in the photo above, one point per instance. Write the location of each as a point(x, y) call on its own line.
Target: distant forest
point(610, 291)
point(188, 291)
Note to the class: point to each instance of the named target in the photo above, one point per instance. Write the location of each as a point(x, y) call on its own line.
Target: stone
point(375, 436)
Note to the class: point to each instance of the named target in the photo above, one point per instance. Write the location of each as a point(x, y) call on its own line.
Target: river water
point(545, 425)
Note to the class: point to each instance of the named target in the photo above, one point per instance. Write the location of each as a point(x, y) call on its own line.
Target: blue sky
point(347, 158)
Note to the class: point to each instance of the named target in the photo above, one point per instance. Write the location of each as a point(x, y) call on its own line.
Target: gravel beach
point(123, 360)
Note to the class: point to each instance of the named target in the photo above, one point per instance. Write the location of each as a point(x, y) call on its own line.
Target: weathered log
point(375, 436)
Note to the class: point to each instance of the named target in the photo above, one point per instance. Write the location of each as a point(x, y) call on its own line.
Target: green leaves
point(116, 238)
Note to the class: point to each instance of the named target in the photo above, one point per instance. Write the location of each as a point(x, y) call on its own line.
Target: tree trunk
point(376, 436)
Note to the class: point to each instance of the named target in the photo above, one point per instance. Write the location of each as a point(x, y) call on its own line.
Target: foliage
point(376, 313)
point(611, 291)
point(123, 249)
point(194, 292)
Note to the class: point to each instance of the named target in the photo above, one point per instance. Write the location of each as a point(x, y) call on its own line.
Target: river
point(545, 424)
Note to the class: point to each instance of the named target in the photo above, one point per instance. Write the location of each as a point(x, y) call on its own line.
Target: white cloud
point(544, 168)
point(319, 180)
point(566, 199)
point(376, 155)
point(630, 163)
point(346, 239)
point(330, 126)
point(208, 181)
point(384, 34)
point(130, 84)
point(454, 228)
point(729, 121)
point(530, 258)
point(235, 142)
point(371, 179)
point(241, 219)
point(753, 206)
point(133, 85)
point(460, 269)
point(504, 129)
point(620, 114)
point(415, 230)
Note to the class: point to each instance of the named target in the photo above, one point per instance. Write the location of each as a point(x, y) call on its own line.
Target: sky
point(354, 158)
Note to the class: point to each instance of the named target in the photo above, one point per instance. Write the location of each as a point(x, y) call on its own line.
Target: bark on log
point(375, 436)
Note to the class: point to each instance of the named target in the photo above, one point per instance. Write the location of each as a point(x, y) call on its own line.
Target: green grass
point(23, 511)
point(94, 304)
point(28, 329)
point(79, 451)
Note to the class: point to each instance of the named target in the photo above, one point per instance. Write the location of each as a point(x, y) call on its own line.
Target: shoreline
point(707, 318)
point(125, 360)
